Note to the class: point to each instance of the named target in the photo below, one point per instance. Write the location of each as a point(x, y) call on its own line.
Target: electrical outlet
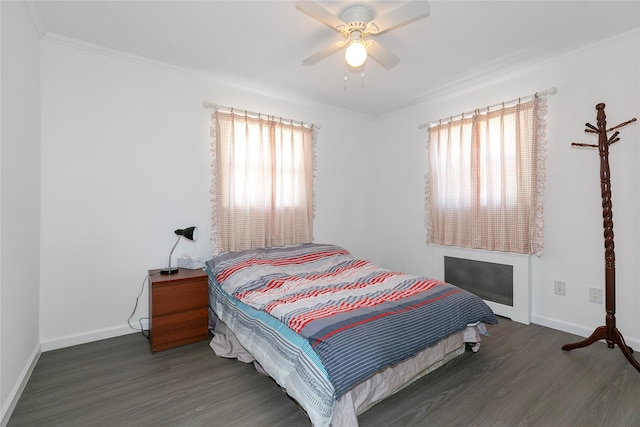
point(595, 295)
point(559, 287)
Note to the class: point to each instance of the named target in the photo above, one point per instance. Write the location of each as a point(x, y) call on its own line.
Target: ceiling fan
point(356, 23)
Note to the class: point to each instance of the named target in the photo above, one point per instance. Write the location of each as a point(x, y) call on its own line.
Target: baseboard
point(575, 329)
point(18, 388)
point(86, 337)
point(54, 344)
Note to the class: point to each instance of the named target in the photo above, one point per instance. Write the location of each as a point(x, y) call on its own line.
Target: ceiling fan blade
point(320, 55)
point(318, 12)
point(403, 15)
point(382, 55)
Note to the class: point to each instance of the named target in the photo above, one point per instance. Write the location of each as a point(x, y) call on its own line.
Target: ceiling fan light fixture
point(356, 53)
point(355, 24)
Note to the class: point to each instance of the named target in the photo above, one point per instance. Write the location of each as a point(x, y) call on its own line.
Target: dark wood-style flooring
point(520, 376)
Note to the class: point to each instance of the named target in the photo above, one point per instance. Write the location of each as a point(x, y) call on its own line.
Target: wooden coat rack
point(609, 332)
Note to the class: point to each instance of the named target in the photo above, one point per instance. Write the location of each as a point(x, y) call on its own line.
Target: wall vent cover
point(489, 280)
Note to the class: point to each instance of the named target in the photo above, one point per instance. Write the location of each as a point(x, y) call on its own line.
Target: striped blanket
point(357, 317)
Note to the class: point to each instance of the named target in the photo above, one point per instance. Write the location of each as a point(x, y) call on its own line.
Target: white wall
point(19, 201)
point(573, 245)
point(126, 161)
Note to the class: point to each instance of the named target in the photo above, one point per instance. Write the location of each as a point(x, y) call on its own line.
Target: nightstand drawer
point(178, 329)
point(175, 298)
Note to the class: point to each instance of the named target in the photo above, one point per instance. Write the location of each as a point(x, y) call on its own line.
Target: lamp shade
point(190, 233)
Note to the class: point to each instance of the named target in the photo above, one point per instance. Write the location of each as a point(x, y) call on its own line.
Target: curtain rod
point(550, 91)
point(207, 104)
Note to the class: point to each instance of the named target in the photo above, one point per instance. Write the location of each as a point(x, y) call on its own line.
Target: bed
point(336, 333)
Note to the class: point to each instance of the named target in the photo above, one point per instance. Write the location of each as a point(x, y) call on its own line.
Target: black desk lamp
point(190, 233)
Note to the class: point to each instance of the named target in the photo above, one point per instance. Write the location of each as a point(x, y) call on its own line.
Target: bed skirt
point(377, 387)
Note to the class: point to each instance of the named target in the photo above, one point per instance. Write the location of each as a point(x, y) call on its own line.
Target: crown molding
point(497, 72)
point(36, 18)
point(219, 79)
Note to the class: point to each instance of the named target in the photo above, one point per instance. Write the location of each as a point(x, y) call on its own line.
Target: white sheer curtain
point(262, 185)
point(485, 185)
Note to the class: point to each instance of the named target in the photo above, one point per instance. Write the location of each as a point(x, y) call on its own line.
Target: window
point(262, 182)
point(486, 180)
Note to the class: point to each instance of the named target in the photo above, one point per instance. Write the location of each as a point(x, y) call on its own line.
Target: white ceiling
point(261, 44)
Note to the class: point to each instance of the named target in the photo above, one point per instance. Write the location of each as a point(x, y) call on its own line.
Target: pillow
point(262, 252)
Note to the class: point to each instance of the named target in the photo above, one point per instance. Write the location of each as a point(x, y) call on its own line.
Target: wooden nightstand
point(178, 308)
